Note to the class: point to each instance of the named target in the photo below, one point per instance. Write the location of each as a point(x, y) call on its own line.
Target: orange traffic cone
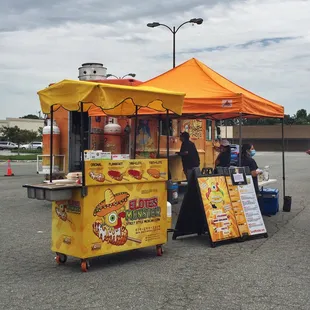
point(9, 172)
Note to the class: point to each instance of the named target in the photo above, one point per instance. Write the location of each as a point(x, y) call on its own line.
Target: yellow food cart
point(114, 205)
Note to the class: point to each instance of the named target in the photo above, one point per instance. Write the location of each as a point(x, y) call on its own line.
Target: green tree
point(301, 117)
point(301, 114)
point(40, 133)
point(30, 116)
point(17, 135)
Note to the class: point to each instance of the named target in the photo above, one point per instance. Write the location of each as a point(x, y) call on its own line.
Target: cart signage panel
point(120, 171)
point(113, 218)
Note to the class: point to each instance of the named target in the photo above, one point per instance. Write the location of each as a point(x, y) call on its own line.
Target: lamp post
point(120, 78)
point(174, 30)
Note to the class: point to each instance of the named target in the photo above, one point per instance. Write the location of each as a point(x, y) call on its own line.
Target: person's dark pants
point(189, 172)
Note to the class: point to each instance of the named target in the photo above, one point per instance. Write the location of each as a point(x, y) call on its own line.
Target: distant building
point(269, 138)
point(23, 123)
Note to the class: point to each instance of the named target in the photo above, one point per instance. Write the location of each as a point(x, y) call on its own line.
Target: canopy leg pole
point(51, 145)
point(168, 151)
point(82, 135)
point(240, 138)
point(135, 134)
point(283, 159)
point(158, 138)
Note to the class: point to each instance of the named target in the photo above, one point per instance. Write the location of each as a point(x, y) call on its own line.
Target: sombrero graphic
point(112, 202)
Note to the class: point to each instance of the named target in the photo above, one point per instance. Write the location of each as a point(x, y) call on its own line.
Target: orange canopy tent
point(210, 94)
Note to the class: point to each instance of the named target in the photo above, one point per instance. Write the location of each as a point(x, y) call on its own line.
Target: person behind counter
point(223, 159)
point(189, 155)
point(247, 160)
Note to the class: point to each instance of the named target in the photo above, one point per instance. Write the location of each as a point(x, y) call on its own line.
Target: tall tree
point(301, 114)
point(30, 116)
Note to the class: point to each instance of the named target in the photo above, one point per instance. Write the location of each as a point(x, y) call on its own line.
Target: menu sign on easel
point(237, 207)
point(246, 207)
point(251, 208)
point(218, 209)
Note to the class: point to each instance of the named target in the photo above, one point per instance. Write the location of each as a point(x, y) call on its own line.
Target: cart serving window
point(113, 100)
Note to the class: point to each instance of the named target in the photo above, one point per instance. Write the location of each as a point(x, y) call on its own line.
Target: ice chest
point(269, 201)
point(173, 192)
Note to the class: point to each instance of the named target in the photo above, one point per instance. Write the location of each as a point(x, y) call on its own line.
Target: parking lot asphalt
point(271, 273)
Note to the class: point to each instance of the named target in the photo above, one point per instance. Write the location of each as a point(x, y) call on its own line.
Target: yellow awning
point(114, 100)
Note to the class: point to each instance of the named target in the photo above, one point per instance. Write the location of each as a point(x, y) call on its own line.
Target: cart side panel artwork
point(218, 208)
point(125, 217)
point(110, 219)
point(67, 225)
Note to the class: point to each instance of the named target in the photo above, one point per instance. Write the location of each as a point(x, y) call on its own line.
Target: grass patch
point(19, 157)
point(27, 151)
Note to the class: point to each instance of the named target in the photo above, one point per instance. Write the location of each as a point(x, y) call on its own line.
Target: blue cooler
point(173, 193)
point(269, 201)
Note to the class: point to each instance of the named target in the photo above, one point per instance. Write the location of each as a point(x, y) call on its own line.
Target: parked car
point(5, 145)
point(234, 157)
point(32, 146)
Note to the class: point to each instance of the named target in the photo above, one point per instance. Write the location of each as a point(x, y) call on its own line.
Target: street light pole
point(174, 30)
point(173, 46)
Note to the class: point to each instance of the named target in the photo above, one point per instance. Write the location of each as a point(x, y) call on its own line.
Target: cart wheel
point(213, 244)
point(266, 235)
point(159, 250)
point(84, 265)
point(60, 258)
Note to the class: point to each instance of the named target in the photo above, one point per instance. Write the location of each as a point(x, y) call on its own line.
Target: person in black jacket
point(247, 160)
point(223, 159)
point(190, 156)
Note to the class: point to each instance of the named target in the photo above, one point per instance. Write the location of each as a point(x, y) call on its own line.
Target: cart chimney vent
point(92, 71)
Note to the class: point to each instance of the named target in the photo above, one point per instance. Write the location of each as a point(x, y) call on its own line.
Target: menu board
point(246, 208)
point(237, 207)
point(98, 172)
point(251, 208)
point(218, 208)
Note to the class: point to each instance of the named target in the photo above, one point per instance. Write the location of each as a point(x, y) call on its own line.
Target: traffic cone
point(9, 172)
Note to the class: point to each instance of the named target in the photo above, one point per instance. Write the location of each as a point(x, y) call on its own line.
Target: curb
point(18, 161)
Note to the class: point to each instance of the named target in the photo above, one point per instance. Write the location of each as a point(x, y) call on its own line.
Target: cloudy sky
point(263, 45)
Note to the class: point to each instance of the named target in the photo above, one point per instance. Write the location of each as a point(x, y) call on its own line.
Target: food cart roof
point(209, 93)
point(114, 100)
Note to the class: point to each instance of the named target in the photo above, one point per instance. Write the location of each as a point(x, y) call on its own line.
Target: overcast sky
point(262, 45)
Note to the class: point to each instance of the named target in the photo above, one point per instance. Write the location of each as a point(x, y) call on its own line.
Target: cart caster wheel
point(213, 244)
point(60, 258)
point(159, 250)
point(84, 265)
point(266, 235)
